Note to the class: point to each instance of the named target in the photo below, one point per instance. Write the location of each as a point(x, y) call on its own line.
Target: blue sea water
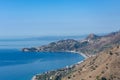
point(18, 65)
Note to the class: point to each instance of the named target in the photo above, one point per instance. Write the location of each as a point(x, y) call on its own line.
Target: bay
point(18, 65)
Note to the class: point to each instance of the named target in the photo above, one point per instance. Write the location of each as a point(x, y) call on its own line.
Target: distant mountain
point(92, 37)
point(90, 45)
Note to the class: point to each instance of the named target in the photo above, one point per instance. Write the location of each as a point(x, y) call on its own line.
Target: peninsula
point(91, 45)
point(102, 63)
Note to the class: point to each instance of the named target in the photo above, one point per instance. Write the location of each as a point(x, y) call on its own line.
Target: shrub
point(103, 78)
point(97, 77)
point(73, 75)
point(102, 72)
point(69, 77)
point(110, 53)
point(96, 66)
point(90, 76)
point(106, 67)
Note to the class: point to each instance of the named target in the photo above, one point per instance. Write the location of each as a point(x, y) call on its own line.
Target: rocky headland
point(103, 54)
point(91, 45)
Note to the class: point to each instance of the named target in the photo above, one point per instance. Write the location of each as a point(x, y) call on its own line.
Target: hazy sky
point(58, 17)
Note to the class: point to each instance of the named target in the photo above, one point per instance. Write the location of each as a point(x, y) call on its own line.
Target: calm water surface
point(18, 65)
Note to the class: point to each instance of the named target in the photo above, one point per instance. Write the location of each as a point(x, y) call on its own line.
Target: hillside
point(89, 46)
point(103, 66)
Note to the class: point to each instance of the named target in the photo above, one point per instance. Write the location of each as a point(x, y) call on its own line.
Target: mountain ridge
point(89, 46)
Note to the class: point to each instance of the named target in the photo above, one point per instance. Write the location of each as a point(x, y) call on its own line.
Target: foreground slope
point(103, 66)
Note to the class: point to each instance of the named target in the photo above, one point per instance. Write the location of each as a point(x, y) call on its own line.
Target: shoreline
point(82, 54)
point(66, 67)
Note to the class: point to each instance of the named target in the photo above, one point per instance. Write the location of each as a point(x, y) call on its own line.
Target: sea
point(18, 65)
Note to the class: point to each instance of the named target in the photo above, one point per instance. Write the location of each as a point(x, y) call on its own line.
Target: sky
point(58, 17)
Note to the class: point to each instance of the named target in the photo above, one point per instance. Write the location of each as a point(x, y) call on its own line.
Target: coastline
point(82, 54)
point(67, 67)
